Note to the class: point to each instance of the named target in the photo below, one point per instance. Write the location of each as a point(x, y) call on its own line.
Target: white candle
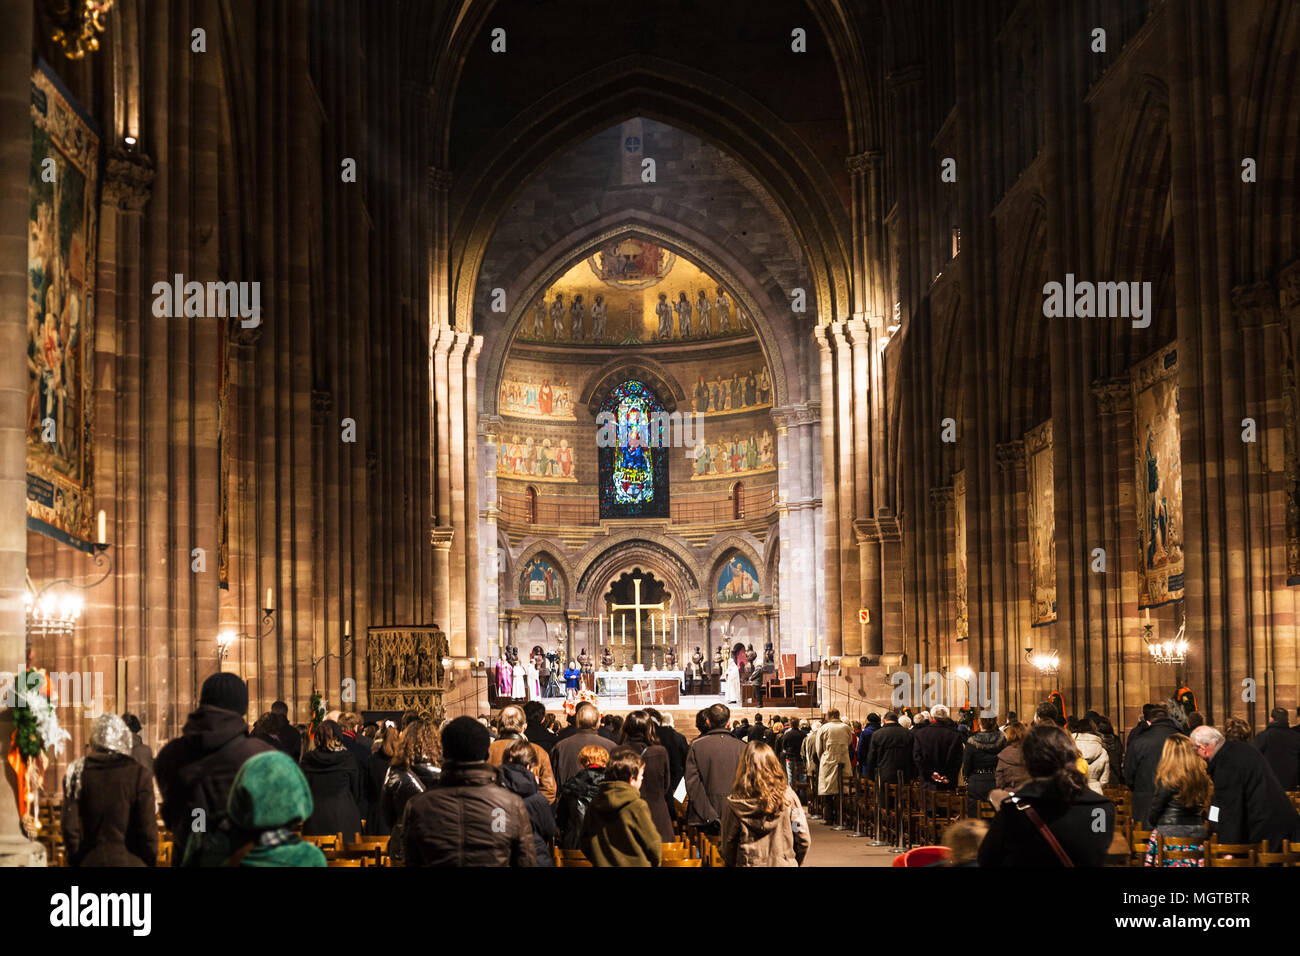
point(103, 527)
point(268, 605)
point(622, 623)
point(347, 628)
point(602, 630)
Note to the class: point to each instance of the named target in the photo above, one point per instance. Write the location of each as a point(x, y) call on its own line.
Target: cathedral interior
point(900, 335)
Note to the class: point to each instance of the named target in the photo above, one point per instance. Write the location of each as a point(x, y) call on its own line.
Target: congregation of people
point(524, 789)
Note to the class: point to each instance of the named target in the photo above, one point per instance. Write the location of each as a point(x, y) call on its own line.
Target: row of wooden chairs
point(677, 854)
point(1210, 853)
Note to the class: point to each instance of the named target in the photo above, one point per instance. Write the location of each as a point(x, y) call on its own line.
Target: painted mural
point(62, 233)
point(738, 581)
point(540, 583)
point(633, 292)
point(735, 456)
point(537, 397)
point(722, 395)
point(1159, 478)
point(1042, 525)
point(544, 460)
point(959, 511)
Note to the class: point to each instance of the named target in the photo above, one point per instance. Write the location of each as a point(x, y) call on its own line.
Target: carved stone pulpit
point(406, 670)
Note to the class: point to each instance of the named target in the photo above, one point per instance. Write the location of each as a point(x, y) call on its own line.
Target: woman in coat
point(108, 805)
point(382, 752)
point(335, 782)
point(640, 733)
point(1182, 793)
point(1110, 740)
point(1056, 799)
point(519, 776)
point(1010, 772)
point(1094, 752)
point(268, 799)
point(763, 823)
point(414, 768)
point(576, 795)
point(980, 761)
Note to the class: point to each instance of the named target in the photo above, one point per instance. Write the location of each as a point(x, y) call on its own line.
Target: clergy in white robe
point(733, 683)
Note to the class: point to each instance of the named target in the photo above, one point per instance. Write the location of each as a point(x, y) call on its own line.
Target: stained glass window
point(633, 463)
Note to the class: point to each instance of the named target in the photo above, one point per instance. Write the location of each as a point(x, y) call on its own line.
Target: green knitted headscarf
point(269, 791)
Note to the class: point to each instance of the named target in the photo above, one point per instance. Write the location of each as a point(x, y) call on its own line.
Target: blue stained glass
point(634, 480)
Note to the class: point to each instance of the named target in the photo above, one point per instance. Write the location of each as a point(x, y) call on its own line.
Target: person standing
point(359, 747)
point(519, 776)
point(576, 795)
point(513, 722)
point(1094, 753)
point(585, 719)
point(831, 751)
point(618, 829)
point(1010, 772)
point(1280, 746)
point(195, 771)
point(890, 751)
point(468, 819)
point(268, 798)
point(335, 782)
point(711, 765)
point(937, 750)
point(674, 743)
point(980, 761)
point(139, 749)
point(864, 742)
point(1143, 757)
point(1180, 798)
point(1249, 805)
point(639, 734)
point(763, 823)
point(535, 730)
point(108, 805)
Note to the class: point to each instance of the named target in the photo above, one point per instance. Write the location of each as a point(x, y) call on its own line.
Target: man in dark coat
point(1143, 756)
point(468, 819)
point(195, 771)
point(792, 750)
point(359, 746)
point(759, 731)
point(711, 769)
point(937, 751)
point(890, 750)
point(676, 746)
point(1280, 746)
point(1249, 805)
point(564, 758)
point(864, 742)
point(287, 737)
point(139, 749)
point(1141, 727)
point(741, 730)
point(535, 712)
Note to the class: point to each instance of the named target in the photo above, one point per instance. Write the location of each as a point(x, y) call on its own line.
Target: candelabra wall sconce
point(53, 615)
point(1165, 652)
point(1047, 663)
point(226, 639)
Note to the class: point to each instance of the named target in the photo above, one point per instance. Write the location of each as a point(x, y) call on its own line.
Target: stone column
point(15, 161)
point(850, 632)
point(473, 546)
point(830, 492)
point(571, 618)
point(861, 339)
point(486, 477)
point(440, 537)
point(1011, 464)
point(456, 438)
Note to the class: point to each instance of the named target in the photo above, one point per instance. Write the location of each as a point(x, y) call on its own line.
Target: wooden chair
point(1222, 854)
point(165, 853)
point(329, 841)
point(682, 862)
point(341, 862)
point(571, 858)
point(1137, 842)
point(1181, 850)
point(1285, 858)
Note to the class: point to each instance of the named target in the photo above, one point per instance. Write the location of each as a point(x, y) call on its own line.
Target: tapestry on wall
point(1159, 478)
point(1042, 525)
point(959, 511)
point(63, 195)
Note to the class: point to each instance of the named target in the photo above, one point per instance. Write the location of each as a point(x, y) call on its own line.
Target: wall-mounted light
point(225, 641)
point(1045, 662)
point(130, 143)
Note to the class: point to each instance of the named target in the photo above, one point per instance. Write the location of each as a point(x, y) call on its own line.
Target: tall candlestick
point(622, 623)
point(602, 630)
point(103, 527)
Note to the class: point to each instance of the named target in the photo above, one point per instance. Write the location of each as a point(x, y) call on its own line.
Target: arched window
point(738, 500)
point(633, 460)
point(530, 505)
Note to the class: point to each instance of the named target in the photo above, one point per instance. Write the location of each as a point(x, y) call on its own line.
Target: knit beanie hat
point(465, 740)
point(227, 691)
point(269, 792)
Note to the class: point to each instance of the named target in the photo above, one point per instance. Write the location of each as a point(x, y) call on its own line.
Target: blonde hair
point(963, 838)
point(1183, 772)
point(759, 777)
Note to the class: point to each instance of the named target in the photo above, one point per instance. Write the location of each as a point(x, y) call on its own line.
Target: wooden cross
point(638, 607)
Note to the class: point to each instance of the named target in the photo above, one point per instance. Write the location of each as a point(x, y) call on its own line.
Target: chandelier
point(50, 615)
point(1045, 662)
point(1166, 652)
point(76, 23)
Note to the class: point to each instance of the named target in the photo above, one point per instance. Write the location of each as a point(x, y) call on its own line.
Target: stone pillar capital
point(1255, 306)
point(1288, 289)
point(863, 162)
point(1113, 396)
point(440, 537)
point(1011, 455)
point(128, 180)
point(941, 497)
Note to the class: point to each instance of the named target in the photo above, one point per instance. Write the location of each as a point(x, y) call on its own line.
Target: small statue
point(769, 653)
point(606, 658)
point(584, 661)
point(718, 658)
point(670, 659)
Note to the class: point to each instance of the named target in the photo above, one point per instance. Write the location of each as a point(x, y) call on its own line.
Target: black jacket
point(889, 750)
point(335, 784)
point(1166, 811)
point(468, 820)
point(1140, 764)
point(403, 783)
point(1014, 840)
point(1251, 804)
point(283, 736)
point(1113, 754)
point(980, 761)
point(937, 748)
point(542, 737)
point(676, 745)
point(195, 771)
point(378, 823)
point(520, 780)
point(367, 795)
point(571, 806)
point(1281, 749)
point(792, 743)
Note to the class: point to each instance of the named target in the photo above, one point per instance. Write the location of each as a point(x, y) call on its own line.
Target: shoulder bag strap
point(1037, 821)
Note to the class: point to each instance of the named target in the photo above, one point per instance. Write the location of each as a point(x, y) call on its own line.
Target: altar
point(641, 687)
